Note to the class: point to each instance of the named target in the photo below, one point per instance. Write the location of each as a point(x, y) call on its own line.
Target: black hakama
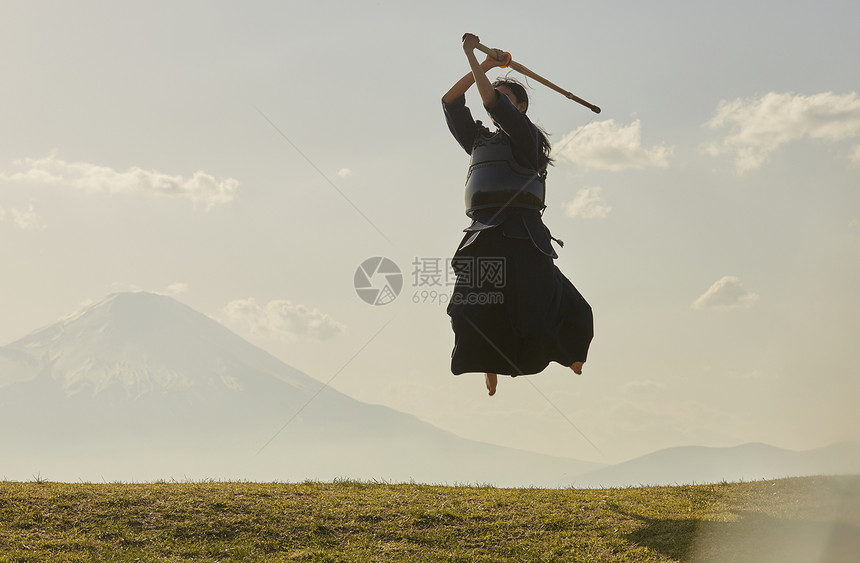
point(517, 321)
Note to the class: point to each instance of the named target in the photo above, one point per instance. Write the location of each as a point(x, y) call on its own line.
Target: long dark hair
point(519, 92)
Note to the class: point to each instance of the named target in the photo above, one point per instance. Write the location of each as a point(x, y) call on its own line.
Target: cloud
point(176, 288)
point(200, 188)
point(855, 155)
point(605, 145)
point(761, 126)
point(344, 172)
point(25, 220)
point(587, 204)
point(281, 319)
point(727, 293)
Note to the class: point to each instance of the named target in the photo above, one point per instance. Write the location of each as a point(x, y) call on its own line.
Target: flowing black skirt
point(512, 310)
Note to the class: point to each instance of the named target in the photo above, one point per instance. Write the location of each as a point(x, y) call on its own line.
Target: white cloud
point(26, 220)
point(727, 293)
point(176, 288)
point(587, 204)
point(201, 188)
point(605, 145)
point(281, 319)
point(343, 172)
point(761, 126)
point(855, 155)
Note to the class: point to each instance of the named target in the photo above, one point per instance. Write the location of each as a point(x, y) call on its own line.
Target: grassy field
point(807, 520)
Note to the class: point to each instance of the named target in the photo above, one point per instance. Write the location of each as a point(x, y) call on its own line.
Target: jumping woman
point(512, 310)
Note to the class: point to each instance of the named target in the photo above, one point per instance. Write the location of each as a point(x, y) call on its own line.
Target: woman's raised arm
point(478, 74)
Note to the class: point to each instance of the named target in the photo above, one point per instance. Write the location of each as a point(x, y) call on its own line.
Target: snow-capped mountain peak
point(144, 342)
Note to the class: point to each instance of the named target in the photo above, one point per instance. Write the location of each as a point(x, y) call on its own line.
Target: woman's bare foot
point(577, 367)
point(491, 379)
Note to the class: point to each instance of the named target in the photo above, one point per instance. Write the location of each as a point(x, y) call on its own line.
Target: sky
point(247, 158)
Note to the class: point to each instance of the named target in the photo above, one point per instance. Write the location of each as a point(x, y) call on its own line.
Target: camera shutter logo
point(378, 281)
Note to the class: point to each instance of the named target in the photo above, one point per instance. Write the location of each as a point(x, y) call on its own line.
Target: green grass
point(807, 519)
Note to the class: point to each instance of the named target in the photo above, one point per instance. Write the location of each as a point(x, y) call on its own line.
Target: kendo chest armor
point(496, 179)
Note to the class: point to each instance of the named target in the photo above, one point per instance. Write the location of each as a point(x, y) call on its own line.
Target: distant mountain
point(141, 387)
point(749, 462)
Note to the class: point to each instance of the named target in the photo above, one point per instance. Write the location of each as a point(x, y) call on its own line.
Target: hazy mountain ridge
point(141, 387)
point(747, 462)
